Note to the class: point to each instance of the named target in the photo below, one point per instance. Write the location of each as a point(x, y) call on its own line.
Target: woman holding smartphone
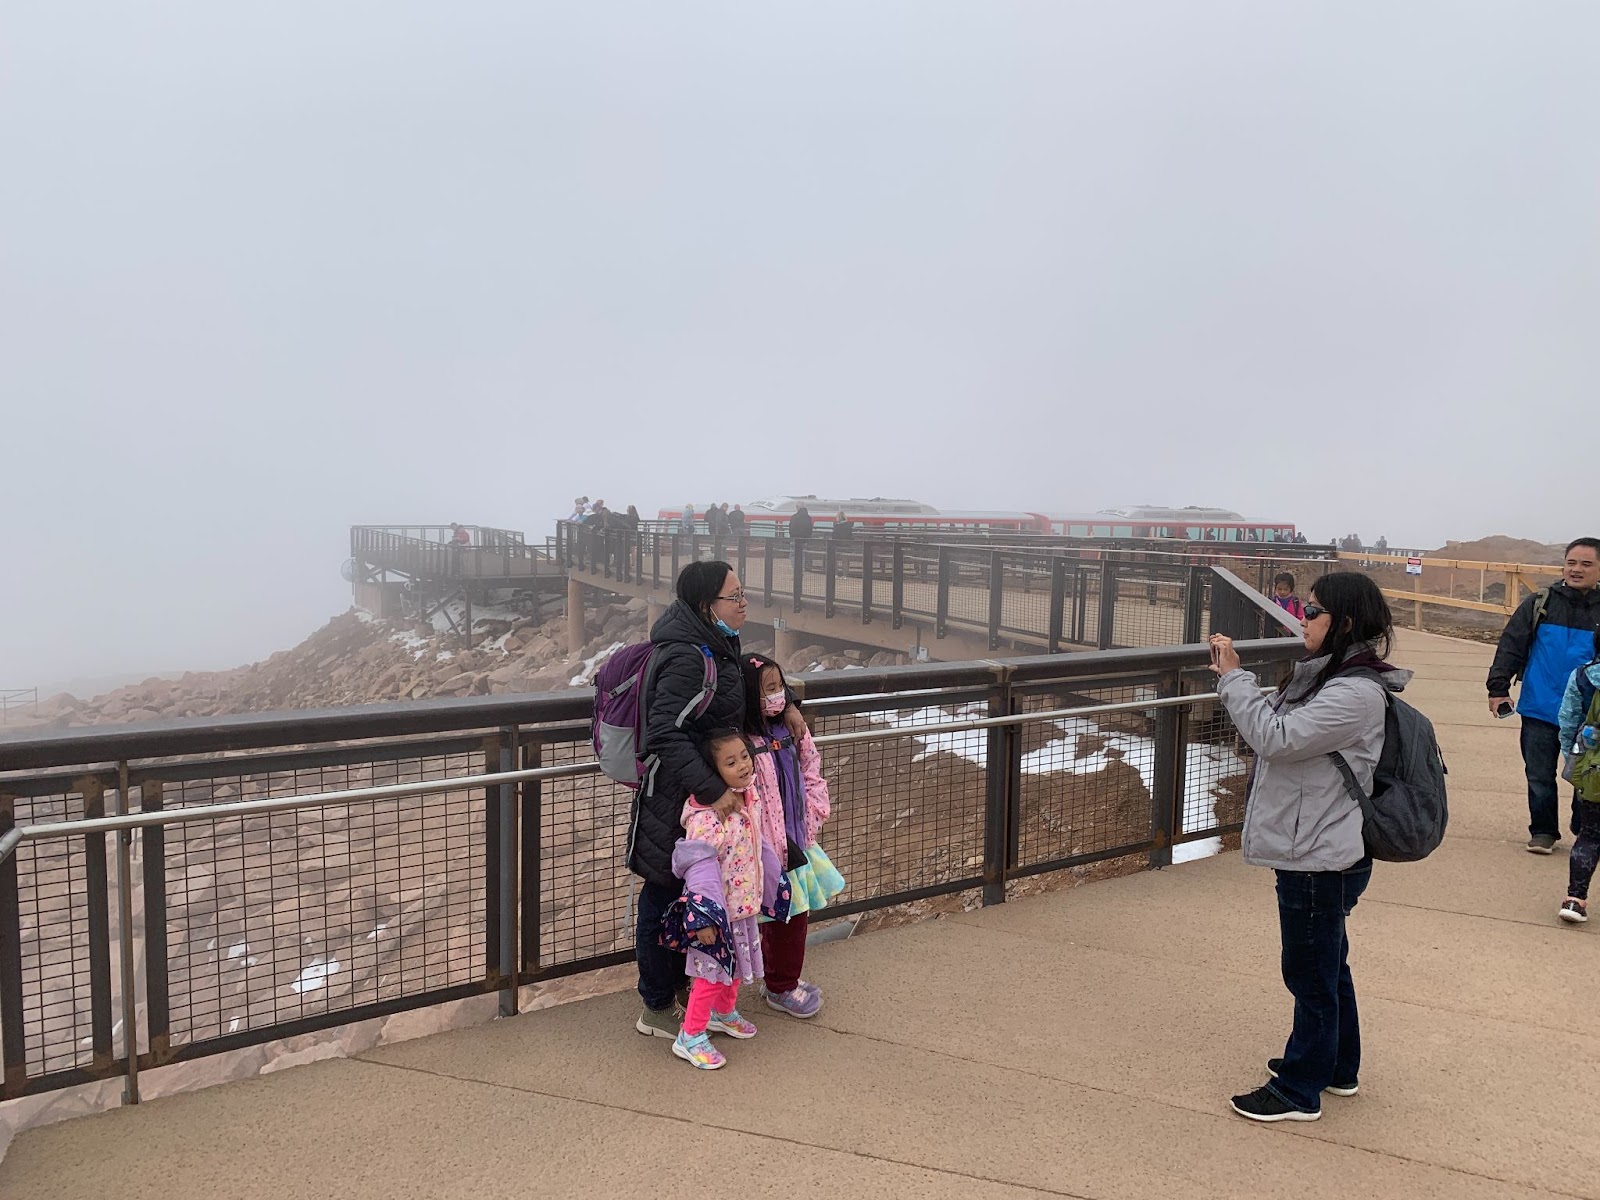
point(1301, 822)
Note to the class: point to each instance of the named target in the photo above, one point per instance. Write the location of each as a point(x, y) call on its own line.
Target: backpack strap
point(701, 700)
point(1351, 784)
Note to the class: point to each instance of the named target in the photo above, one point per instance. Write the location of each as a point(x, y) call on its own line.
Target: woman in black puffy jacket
point(702, 624)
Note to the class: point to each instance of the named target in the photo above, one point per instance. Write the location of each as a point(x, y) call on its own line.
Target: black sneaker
point(1574, 911)
point(1263, 1104)
point(1275, 1068)
point(1542, 843)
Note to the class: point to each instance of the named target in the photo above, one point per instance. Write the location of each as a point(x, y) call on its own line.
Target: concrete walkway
point(1083, 1043)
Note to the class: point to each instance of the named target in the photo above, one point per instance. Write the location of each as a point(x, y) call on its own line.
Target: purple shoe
point(798, 1003)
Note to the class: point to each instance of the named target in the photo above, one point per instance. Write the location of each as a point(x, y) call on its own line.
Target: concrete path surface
point(1082, 1043)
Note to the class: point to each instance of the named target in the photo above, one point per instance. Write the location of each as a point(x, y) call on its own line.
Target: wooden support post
point(575, 634)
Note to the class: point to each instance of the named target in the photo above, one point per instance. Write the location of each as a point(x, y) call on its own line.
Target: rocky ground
point(357, 659)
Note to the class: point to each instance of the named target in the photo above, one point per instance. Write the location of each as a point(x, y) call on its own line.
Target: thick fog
point(270, 270)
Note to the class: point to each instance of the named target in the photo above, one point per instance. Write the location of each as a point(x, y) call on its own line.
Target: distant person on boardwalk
point(580, 509)
point(1580, 742)
point(795, 805)
point(1549, 636)
point(801, 525)
point(1283, 595)
point(1299, 820)
point(716, 523)
point(1382, 546)
point(843, 526)
point(459, 535)
point(736, 521)
point(686, 522)
point(630, 519)
point(705, 619)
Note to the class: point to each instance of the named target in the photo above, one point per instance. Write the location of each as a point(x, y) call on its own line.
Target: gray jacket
point(1299, 816)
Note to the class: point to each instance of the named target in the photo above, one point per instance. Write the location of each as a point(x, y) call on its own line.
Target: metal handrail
point(245, 808)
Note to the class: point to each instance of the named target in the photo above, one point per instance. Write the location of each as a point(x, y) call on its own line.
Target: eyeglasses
point(738, 597)
point(1313, 611)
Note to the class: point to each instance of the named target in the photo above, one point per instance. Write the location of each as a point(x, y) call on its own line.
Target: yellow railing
point(1519, 579)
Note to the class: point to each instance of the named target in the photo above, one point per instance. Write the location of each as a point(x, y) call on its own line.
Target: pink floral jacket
point(817, 803)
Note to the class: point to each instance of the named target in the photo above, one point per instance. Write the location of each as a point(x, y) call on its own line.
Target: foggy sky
point(270, 270)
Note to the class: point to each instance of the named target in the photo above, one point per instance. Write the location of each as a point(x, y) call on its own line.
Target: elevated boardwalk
point(1081, 1043)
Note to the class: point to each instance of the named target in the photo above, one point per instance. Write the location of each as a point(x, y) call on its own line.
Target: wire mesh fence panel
point(1085, 781)
point(301, 913)
point(1025, 611)
point(907, 812)
point(583, 878)
point(969, 588)
point(1216, 773)
point(54, 906)
point(1149, 605)
point(920, 582)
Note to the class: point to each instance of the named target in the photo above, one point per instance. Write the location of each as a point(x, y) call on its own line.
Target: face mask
point(774, 704)
point(726, 629)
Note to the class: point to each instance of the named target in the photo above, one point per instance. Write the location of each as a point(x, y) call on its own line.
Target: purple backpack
point(620, 711)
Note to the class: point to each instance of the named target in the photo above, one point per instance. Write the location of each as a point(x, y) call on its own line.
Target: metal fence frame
point(123, 773)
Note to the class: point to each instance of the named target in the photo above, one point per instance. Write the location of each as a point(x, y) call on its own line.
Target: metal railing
point(1047, 597)
point(281, 873)
point(12, 699)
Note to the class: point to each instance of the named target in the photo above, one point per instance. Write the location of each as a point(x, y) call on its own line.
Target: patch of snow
point(410, 641)
point(590, 665)
point(315, 976)
point(444, 656)
point(373, 936)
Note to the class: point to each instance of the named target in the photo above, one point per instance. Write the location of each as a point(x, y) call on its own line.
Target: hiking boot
point(660, 1022)
point(1542, 843)
point(1264, 1104)
point(798, 1003)
point(698, 1051)
point(1574, 911)
point(730, 1023)
point(1275, 1068)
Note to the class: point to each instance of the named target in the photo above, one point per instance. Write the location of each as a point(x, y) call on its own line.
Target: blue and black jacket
point(1545, 657)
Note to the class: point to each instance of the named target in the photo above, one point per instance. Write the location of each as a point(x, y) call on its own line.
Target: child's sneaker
point(698, 1051)
point(798, 1003)
point(1575, 911)
point(730, 1023)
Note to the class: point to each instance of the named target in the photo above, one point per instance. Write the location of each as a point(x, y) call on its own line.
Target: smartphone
point(1504, 711)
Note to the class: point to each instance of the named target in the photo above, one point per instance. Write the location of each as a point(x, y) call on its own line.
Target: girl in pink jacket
point(795, 805)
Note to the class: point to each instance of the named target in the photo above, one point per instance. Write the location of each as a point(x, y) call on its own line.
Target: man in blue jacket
point(1549, 636)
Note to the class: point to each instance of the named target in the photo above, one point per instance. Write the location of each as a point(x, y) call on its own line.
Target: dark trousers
point(783, 947)
point(1541, 759)
point(1585, 851)
point(1325, 1044)
point(661, 971)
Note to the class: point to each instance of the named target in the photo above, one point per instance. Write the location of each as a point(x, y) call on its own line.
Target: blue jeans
point(1325, 1044)
point(662, 973)
point(1541, 759)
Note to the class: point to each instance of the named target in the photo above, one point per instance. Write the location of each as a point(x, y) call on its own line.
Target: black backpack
point(1405, 817)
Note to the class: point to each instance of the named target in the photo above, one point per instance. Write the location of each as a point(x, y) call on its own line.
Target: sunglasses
point(1313, 611)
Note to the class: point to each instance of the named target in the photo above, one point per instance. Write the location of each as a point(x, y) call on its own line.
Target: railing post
point(507, 822)
point(897, 598)
point(675, 551)
point(1058, 601)
point(830, 572)
point(1194, 597)
point(130, 1008)
point(1166, 794)
point(797, 569)
point(941, 612)
point(768, 553)
point(999, 771)
point(655, 559)
point(13, 1045)
point(744, 556)
point(153, 843)
point(866, 583)
point(1108, 604)
point(997, 597)
point(97, 916)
